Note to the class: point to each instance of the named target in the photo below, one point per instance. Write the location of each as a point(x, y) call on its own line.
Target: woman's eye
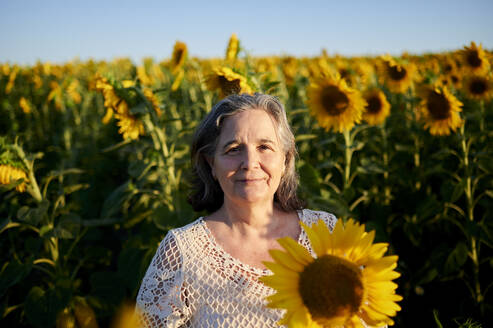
point(232, 150)
point(264, 147)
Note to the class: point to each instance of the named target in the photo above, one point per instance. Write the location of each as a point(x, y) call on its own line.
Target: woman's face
point(249, 160)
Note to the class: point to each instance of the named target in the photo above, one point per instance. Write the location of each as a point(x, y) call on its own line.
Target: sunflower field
point(94, 170)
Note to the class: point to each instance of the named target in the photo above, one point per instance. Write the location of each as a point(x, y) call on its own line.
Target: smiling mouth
point(250, 180)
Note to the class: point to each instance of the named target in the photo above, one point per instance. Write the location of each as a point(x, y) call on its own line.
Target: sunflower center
point(473, 59)
point(229, 87)
point(397, 72)
point(374, 105)
point(331, 286)
point(438, 106)
point(478, 87)
point(178, 56)
point(334, 100)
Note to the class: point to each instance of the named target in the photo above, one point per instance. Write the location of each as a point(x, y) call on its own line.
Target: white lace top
point(193, 282)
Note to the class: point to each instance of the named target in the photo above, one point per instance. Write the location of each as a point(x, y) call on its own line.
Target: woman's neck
point(247, 218)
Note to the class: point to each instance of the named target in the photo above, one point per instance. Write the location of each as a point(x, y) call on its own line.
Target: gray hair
point(206, 192)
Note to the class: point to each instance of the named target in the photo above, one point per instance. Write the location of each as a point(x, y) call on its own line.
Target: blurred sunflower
point(233, 48)
point(335, 105)
point(130, 126)
point(178, 79)
point(227, 82)
point(179, 56)
point(439, 109)
point(9, 174)
point(12, 77)
point(127, 317)
point(377, 108)
point(349, 280)
point(24, 105)
point(151, 97)
point(144, 78)
point(289, 66)
point(478, 86)
point(474, 59)
point(397, 77)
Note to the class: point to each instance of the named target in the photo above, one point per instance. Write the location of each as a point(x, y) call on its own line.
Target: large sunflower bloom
point(335, 105)
point(377, 108)
point(474, 59)
point(348, 282)
point(478, 86)
point(397, 77)
point(233, 47)
point(228, 82)
point(9, 174)
point(440, 110)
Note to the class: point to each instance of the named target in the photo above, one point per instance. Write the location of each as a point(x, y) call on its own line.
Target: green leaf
point(68, 226)
point(113, 203)
point(303, 137)
point(310, 178)
point(140, 108)
point(13, 272)
point(458, 191)
point(34, 215)
point(456, 259)
point(486, 164)
point(73, 188)
point(41, 307)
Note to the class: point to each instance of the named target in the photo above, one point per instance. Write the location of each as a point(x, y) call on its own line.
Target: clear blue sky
point(57, 31)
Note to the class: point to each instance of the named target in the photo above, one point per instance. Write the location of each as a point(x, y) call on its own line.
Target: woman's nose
point(250, 159)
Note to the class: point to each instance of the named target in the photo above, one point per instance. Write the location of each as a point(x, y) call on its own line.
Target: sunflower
point(127, 317)
point(144, 78)
point(130, 126)
point(335, 105)
point(439, 109)
point(151, 97)
point(233, 48)
point(179, 56)
point(24, 105)
point(474, 59)
point(377, 108)
point(349, 280)
point(228, 82)
point(9, 174)
point(178, 79)
point(289, 66)
point(397, 77)
point(478, 86)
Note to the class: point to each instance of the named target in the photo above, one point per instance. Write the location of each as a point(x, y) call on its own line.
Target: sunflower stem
point(478, 297)
point(387, 189)
point(481, 117)
point(417, 160)
point(348, 155)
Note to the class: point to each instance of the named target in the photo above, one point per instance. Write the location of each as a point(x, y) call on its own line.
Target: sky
point(59, 31)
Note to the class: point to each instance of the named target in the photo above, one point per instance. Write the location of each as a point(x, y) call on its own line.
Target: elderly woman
point(206, 274)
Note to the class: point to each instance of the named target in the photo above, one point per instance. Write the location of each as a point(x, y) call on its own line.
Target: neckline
point(248, 267)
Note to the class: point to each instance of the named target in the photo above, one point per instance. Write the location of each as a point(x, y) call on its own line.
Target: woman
point(206, 274)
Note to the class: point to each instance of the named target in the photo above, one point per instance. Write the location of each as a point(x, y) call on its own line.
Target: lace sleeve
point(161, 301)
point(328, 218)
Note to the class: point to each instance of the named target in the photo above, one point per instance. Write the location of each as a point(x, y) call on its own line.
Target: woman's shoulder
point(310, 217)
point(185, 232)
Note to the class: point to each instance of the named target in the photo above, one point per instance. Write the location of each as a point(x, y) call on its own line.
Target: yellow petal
point(298, 252)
